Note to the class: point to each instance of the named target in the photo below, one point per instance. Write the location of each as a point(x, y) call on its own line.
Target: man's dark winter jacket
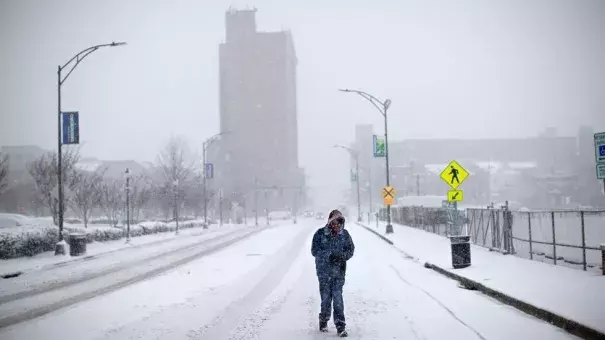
point(332, 252)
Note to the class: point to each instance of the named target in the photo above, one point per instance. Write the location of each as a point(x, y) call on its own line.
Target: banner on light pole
point(71, 128)
point(379, 146)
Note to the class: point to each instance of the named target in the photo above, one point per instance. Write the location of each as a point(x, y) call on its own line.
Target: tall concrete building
point(258, 109)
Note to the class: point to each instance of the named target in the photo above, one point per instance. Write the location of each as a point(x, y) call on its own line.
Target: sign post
point(599, 146)
point(454, 175)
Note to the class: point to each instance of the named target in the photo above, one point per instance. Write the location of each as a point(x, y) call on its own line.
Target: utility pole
point(417, 184)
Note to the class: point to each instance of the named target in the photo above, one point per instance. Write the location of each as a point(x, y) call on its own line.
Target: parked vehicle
point(319, 216)
point(280, 215)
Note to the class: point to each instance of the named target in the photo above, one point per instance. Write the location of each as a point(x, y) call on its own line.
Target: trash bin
point(77, 244)
point(461, 251)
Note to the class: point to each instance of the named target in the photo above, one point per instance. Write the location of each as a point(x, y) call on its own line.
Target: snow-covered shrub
point(29, 241)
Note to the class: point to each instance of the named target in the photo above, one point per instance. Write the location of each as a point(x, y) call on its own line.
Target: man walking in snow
point(332, 247)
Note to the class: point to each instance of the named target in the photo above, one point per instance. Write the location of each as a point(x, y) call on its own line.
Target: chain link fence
point(563, 237)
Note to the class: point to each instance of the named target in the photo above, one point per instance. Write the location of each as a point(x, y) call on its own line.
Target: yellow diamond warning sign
point(454, 174)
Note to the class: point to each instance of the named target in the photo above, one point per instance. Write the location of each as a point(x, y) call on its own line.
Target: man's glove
point(337, 257)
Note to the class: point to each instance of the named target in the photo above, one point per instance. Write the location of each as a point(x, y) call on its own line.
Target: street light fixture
point(382, 107)
point(76, 60)
point(355, 155)
point(205, 145)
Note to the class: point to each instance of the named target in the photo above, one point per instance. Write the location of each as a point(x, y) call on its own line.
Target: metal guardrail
point(560, 237)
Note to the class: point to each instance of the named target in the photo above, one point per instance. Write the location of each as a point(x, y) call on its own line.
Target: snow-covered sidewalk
point(572, 294)
point(47, 259)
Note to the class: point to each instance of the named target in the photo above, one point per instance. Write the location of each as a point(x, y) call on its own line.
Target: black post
point(370, 190)
point(358, 192)
point(531, 250)
point(389, 228)
point(127, 205)
point(204, 184)
point(583, 240)
point(176, 209)
point(267, 206)
point(554, 239)
point(220, 206)
point(295, 208)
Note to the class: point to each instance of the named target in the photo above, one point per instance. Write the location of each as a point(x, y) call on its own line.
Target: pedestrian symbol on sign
point(602, 150)
point(454, 173)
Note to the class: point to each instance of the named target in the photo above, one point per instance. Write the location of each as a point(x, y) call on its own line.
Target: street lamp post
point(77, 59)
point(205, 145)
point(355, 155)
point(370, 190)
point(220, 205)
point(127, 175)
point(175, 186)
point(383, 107)
point(255, 201)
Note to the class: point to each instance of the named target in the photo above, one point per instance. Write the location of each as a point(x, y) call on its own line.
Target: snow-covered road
point(264, 287)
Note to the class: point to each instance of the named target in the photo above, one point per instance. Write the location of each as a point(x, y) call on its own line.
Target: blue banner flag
point(71, 128)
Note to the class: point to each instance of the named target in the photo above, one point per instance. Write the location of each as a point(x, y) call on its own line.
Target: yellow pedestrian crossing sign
point(388, 193)
point(454, 174)
point(455, 195)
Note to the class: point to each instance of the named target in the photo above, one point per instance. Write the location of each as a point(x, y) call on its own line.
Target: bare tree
point(176, 163)
point(44, 172)
point(112, 199)
point(87, 192)
point(3, 173)
point(141, 190)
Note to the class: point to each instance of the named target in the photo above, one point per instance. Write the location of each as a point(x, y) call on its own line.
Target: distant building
point(547, 171)
point(258, 108)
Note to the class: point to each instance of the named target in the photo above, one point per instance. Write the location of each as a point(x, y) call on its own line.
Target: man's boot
point(323, 326)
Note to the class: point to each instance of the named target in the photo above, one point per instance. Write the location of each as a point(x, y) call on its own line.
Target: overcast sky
point(466, 69)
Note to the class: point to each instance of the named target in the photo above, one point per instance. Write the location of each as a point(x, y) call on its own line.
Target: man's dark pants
point(330, 290)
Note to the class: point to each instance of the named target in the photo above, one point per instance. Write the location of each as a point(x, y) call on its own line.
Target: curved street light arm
point(83, 54)
point(375, 101)
point(353, 152)
point(215, 137)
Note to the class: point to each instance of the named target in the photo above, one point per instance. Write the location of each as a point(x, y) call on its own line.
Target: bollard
point(603, 258)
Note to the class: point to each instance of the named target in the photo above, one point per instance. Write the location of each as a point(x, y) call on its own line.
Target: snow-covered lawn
point(48, 258)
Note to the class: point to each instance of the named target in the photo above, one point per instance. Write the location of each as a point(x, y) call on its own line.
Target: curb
point(569, 325)
point(384, 238)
